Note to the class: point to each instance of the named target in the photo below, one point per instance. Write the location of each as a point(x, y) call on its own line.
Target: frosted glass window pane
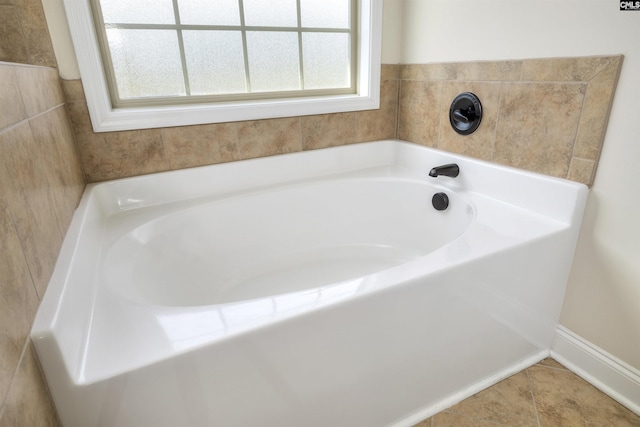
point(208, 12)
point(273, 61)
point(325, 13)
point(215, 62)
point(271, 13)
point(326, 60)
point(146, 63)
point(138, 12)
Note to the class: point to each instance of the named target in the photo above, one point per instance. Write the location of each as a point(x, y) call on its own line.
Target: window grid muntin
point(243, 29)
point(183, 57)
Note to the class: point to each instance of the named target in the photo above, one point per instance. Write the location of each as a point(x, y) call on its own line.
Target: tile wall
point(24, 36)
point(543, 115)
point(112, 155)
point(41, 183)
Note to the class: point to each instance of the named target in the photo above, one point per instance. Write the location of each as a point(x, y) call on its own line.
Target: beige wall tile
point(201, 145)
point(419, 112)
point(18, 299)
point(490, 70)
point(12, 109)
point(595, 112)
point(40, 183)
point(582, 170)
point(79, 116)
point(260, 138)
point(444, 71)
point(577, 69)
point(379, 124)
point(73, 90)
point(121, 154)
point(40, 88)
point(112, 155)
point(328, 130)
point(535, 130)
point(29, 402)
point(389, 72)
point(61, 165)
point(479, 144)
point(537, 126)
point(36, 33)
point(533, 141)
point(13, 47)
point(27, 192)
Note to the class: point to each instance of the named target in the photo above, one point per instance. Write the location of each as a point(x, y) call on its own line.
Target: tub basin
point(316, 288)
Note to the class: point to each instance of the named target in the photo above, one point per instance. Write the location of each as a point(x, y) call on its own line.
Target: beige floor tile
point(448, 419)
point(544, 395)
point(508, 402)
point(564, 399)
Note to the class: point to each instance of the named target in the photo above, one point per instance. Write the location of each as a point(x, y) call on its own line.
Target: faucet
point(451, 170)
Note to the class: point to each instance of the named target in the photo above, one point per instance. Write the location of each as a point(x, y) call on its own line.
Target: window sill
point(107, 119)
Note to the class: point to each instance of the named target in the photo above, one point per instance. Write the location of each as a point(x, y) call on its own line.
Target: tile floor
point(543, 395)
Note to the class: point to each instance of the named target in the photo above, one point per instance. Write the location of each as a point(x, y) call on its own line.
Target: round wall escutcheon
point(465, 113)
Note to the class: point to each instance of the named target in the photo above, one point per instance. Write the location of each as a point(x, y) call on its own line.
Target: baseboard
point(604, 371)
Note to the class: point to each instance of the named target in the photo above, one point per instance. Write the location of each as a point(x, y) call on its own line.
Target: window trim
point(105, 118)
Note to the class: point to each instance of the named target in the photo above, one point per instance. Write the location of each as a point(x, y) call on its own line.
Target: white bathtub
point(317, 289)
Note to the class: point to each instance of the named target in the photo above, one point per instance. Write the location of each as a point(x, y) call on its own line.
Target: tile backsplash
point(24, 36)
point(112, 155)
point(41, 183)
point(544, 115)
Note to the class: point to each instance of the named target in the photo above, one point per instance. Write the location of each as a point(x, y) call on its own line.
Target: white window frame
point(106, 118)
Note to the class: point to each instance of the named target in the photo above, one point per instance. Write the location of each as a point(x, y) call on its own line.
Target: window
point(157, 63)
point(169, 51)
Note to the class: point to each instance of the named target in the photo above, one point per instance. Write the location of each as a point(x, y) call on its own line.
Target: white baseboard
point(612, 376)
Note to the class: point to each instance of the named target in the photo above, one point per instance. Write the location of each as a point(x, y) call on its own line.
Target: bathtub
point(318, 288)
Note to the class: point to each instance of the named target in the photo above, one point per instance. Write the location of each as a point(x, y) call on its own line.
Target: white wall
point(61, 39)
point(602, 303)
point(392, 31)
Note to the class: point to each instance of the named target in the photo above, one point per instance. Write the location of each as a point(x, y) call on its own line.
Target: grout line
point(398, 112)
point(300, 136)
point(399, 82)
point(495, 129)
point(167, 160)
point(27, 119)
point(533, 397)
point(440, 111)
point(578, 127)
